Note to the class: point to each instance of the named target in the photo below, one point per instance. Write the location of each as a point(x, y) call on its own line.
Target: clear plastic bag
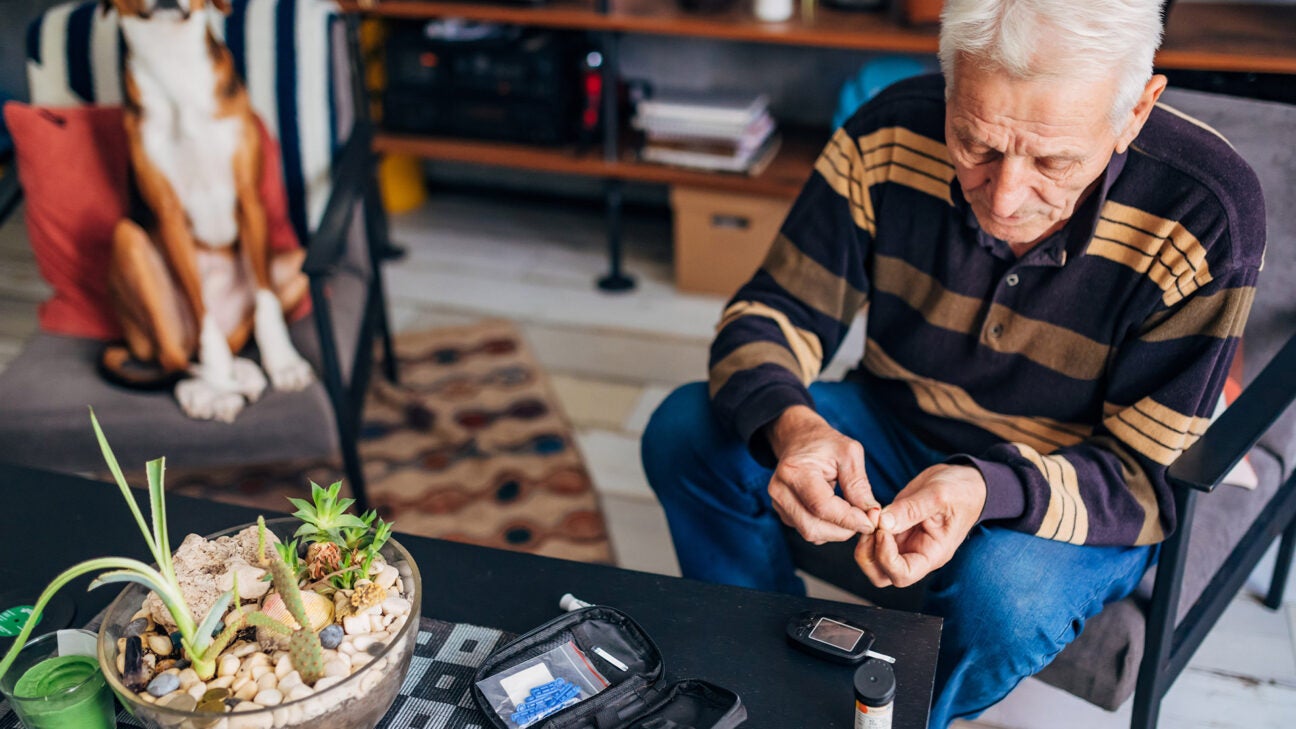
point(541, 686)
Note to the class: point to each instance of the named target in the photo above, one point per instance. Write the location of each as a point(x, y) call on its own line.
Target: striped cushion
point(286, 50)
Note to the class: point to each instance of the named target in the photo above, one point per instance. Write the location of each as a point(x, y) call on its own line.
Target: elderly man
point(1056, 271)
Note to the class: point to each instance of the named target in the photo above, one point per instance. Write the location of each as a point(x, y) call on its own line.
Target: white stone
point(160, 644)
point(188, 677)
point(289, 682)
point(359, 660)
point(287, 716)
point(229, 665)
point(259, 671)
point(283, 666)
point(387, 577)
point(248, 691)
point(328, 681)
point(396, 606)
point(375, 622)
point(249, 580)
point(336, 668)
point(239, 682)
point(268, 681)
point(245, 648)
point(257, 721)
point(268, 697)
point(197, 690)
point(256, 659)
point(221, 682)
point(364, 642)
point(298, 692)
point(356, 624)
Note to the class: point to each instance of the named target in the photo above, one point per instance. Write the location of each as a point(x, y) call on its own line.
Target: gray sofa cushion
point(45, 391)
point(1263, 132)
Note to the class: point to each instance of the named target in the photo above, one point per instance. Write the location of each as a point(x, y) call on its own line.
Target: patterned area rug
point(470, 446)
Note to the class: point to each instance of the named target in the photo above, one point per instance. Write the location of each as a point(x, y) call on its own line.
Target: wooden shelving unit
point(1199, 36)
point(782, 178)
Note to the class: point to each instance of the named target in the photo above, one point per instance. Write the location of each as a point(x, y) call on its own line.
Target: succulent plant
point(324, 516)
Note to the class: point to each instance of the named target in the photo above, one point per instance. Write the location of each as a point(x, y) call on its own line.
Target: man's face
point(1026, 152)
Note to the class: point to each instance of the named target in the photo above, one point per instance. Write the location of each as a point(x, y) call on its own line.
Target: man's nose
point(1010, 185)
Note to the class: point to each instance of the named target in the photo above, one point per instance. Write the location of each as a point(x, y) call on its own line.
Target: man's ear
point(1142, 110)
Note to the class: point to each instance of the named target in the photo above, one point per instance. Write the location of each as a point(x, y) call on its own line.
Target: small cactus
point(303, 644)
point(307, 655)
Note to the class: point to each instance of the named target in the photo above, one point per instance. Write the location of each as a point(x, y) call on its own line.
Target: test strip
point(611, 659)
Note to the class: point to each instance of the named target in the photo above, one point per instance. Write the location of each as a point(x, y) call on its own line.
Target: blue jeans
point(1011, 601)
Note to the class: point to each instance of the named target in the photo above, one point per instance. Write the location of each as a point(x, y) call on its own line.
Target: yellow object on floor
point(400, 177)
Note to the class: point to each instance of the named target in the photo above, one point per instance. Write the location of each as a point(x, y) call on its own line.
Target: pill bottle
point(874, 695)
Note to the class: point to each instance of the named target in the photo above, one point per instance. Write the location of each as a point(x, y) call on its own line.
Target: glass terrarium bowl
point(357, 702)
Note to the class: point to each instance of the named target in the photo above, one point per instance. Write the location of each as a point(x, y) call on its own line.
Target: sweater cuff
point(762, 409)
point(1005, 493)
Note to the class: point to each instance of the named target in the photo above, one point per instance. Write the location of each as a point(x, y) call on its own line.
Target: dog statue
point(192, 275)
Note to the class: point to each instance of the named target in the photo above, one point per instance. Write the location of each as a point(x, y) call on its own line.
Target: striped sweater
point(1070, 377)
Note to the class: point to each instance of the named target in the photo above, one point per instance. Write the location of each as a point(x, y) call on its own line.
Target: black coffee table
point(726, 635)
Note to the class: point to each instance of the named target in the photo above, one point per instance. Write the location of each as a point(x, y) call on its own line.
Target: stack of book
point(708, 131)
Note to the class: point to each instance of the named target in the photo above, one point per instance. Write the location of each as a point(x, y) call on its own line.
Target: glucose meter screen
point(836, 634)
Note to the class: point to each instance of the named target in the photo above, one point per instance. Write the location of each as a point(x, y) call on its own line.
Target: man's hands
point(920, 530)
point(812, 458)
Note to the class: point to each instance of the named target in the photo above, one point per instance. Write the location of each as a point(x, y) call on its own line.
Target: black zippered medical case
point(635, 698)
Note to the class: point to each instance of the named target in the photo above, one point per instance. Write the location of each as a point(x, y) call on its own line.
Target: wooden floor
point(614, 357)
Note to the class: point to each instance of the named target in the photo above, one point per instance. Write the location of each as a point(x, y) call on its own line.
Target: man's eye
point(1055, 165)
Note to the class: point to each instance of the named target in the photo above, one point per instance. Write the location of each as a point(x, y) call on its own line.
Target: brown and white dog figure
point(195, 280)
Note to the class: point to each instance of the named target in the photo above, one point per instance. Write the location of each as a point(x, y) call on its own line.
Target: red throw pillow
point(73, 165)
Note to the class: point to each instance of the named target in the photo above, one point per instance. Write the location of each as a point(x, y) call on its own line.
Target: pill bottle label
point(872, 717)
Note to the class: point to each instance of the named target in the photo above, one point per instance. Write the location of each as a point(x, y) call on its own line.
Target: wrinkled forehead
point(1049, 103)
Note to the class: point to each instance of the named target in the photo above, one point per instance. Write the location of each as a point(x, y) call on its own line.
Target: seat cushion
point(45, 391)
point(1102, 665)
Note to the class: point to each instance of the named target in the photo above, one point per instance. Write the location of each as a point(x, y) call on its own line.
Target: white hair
point(1032, 39)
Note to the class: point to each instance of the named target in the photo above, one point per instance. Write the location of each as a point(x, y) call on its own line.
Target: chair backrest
point(291, 53)
point(1262, 132)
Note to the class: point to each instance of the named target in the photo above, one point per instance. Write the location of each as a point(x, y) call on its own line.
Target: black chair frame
point(1169, 644)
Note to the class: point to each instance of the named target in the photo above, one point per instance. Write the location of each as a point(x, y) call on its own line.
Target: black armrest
point(10, 192)
point(1233, 435)
point(350, 175)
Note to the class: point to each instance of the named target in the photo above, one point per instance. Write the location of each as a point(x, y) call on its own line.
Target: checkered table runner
point(437, 693)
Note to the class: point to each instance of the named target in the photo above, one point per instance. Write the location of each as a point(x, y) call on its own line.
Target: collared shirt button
point(1012, 279)
point(996, 330)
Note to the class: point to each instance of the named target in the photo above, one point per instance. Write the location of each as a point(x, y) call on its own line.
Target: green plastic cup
point(55, 683)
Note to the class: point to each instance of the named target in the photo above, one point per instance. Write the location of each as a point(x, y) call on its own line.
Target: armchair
point(1139, 645)
point(320, 116)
